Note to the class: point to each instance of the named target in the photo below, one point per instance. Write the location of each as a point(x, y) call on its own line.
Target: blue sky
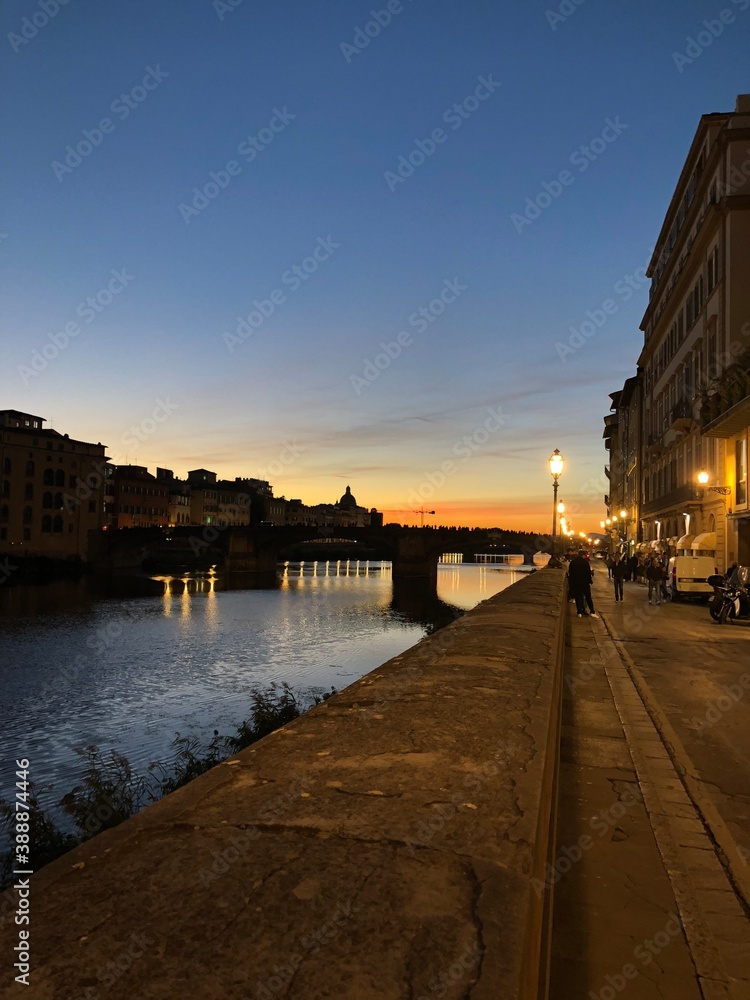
point(147, 100)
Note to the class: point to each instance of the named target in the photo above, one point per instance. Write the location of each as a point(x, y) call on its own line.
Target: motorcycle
point(735, 603)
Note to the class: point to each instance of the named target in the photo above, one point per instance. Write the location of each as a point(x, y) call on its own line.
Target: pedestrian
point(619, 572)
point(655, 574)
point(609, 560)
point(632, 566)
point(580, 576)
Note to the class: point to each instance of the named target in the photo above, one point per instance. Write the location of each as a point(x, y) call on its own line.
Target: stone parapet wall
point(383, 845)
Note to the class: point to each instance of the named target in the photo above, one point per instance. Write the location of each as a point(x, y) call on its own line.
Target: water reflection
point(77, 667)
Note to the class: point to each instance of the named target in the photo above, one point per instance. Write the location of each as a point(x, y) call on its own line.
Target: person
point(632, 566)
point(609, 561)
point(655, 574)
point(580, 576)
point(619, 572)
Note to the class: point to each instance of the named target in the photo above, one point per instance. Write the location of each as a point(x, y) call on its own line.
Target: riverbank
point(388, 837)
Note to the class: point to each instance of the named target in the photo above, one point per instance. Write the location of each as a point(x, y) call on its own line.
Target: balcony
point(607, 472)
point(681, 418)
point(727, 412)
point(675, 498)
point(654, 445)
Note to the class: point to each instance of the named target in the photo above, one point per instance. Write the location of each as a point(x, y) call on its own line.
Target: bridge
point(253, 552)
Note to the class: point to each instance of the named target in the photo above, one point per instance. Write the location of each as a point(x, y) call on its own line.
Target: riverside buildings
point(51, 489)
point(678, 431)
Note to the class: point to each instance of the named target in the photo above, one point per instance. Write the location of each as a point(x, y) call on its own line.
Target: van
point(688, 576)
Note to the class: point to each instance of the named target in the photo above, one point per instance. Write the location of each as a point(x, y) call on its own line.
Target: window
point(28, 514)
point(57, 524)
point(3, 534)
point(6, 488)
point(47, 501)
point(59, 478)
point(30, 468)
point(28, 491)
point(72, 482)
point(712, 269)
point(46, 523)
point(58, 504)
point(27, 534)
point(4, 513)
point(49, 477)
point(740, 459)
point(92, 506)
point(6, 466)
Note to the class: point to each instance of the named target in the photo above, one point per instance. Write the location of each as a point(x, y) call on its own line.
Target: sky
point(347, 243)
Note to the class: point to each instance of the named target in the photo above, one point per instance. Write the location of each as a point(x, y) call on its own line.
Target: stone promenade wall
point(382, 846)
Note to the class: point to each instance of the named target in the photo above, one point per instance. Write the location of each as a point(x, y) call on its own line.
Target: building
point(51, 489)
point(695, 362)
point(139, 500)
point(622, 437)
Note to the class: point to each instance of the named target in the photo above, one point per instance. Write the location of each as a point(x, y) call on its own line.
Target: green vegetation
point(111, 791)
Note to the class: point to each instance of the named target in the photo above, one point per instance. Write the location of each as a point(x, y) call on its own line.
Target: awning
point(685, 542)
point(705, 541)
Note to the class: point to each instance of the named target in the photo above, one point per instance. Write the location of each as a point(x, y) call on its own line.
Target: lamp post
point(556, 466)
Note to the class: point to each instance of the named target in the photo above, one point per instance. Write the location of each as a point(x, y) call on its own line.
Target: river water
point(131, 673)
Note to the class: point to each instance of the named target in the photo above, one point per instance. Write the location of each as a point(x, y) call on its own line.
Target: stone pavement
point(650, 884)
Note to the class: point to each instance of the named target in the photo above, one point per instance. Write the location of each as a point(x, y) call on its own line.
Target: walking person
point(580, 576)
point(619, 572)
point(655, 574)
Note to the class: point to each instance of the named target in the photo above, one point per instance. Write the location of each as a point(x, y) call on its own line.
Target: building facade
point(139, 500)
point(51, 489)
point(694, 368)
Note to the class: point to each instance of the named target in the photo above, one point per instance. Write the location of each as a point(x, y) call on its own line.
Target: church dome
point(347, 499)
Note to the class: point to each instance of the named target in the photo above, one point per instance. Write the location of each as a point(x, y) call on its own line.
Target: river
point(131, 673)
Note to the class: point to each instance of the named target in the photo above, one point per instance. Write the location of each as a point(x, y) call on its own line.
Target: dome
point(347, 499)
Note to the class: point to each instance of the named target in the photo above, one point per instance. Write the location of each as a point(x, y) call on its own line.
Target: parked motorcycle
point(735, 603)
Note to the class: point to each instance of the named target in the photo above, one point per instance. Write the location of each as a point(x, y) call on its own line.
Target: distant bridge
point(254, 551)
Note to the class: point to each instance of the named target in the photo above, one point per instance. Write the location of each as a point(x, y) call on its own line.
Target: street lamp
point(703, 479)
point(556, 466)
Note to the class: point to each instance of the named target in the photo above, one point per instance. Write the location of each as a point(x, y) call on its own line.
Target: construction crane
point(411, 511)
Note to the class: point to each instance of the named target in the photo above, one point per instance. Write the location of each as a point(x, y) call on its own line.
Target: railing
point(682, 410)
point(681, 495)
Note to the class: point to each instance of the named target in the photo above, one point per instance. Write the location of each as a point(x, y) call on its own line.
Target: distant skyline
point(363, 244)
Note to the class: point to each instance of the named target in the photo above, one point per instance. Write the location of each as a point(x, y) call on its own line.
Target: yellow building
point(696, 354)
point(51, 489)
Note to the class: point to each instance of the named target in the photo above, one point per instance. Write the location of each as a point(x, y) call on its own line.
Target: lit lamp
point(703, 479)
point(556, 466)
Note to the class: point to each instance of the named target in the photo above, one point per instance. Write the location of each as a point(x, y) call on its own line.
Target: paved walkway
point(651, 882)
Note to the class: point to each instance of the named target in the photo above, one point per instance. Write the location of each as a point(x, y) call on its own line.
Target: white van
point(688, 576)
